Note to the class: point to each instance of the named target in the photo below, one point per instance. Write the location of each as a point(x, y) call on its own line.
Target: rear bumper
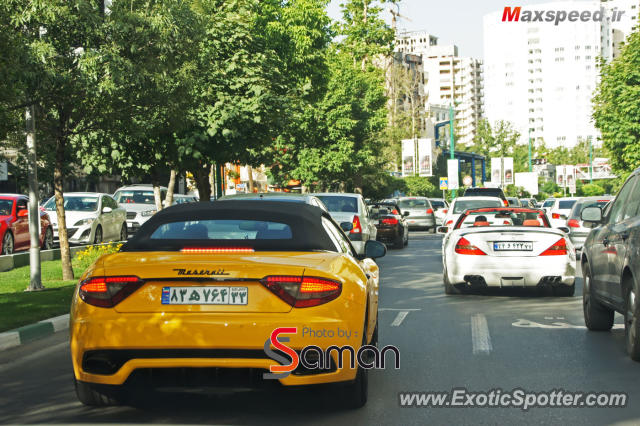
point(511, 271)
point(387, 234)
point(421, 222)
point(194, 340)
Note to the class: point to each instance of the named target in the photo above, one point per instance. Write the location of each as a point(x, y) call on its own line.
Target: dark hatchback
point(486, 192)
point(611, 265)
point(390, 223)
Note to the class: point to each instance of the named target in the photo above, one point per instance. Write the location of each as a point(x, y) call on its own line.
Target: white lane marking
point(31, 357)
point(399, 309)
point(399, 318)
point(480, 336)
point(523, 323)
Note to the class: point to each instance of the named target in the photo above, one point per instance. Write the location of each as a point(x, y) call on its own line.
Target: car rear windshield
point(214, 229)
point(462, 205)
point(566, 205)
point(485, 192)
point(135, 196)
point(337, 203)
point(413, 204)
point(516, 217)
point(74, 204)
point(437, 204)
point(5, 207)
point(548, 203)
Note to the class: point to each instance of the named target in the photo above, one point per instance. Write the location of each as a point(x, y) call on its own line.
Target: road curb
point(29, 333)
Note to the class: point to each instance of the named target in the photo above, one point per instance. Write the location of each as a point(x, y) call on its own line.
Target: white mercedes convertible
point(507, 247)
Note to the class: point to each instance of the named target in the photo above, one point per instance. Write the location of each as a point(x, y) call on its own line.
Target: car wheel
point(123, 232)
point(632, 322)
point(47, 243)
point(448, 287)
point(7, 243)
point(355, 394)
point(564, 290)
point(98, 395)
point(97, 239)
point(399, 242)
point(596, 316)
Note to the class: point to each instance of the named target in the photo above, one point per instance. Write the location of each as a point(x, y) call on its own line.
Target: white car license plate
point(209, 295)
point(512, 246)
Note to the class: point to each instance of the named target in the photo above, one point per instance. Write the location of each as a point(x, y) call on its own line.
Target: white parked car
point(139, 202)
point(351, 208)
point(558, 212)
point(91, 218)
point(460, 204)
point(507, 247)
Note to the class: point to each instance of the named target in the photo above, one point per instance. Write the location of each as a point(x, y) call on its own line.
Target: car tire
point(632, 322)
point(355, 394)
point(123, 232)
point(7, 243)
point(94, 395)
point(47, 242)
point(97, 238)
point(596, 316)
point(564, 290)
point(448, 287)
point(398, 242)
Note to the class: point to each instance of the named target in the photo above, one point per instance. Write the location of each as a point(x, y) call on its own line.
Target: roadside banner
point(496, 170)
point(508, 170)
point(560, 172)
point(408, 157)
point(424, 157)
point(570, 179)
point(452, 172)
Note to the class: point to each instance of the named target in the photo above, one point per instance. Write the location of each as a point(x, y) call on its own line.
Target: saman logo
point(367, 356)
point(516, 14)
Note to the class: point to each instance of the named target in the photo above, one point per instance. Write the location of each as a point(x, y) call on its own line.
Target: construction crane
point(394, 17)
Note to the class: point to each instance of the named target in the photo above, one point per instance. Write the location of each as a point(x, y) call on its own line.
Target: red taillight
point(107, 292)
point(390, 221)
point(429, 211)
point(357, 228)
point(394, 211)
point(573, 223)
point(449, 222)
point(555, 216)
point(217, 250)
point(559, 248)
point(465, 247)
point(506, 222)
point(303, 292)
point(506, 203)
point(445, 210)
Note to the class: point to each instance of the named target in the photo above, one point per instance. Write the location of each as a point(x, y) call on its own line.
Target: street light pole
point(35, 282)
point(451, 140)
point(590, 160)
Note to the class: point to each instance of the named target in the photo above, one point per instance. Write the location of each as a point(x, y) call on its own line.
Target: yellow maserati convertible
point(228, 293)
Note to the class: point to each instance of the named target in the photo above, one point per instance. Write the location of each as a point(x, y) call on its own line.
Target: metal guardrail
point(16, 260)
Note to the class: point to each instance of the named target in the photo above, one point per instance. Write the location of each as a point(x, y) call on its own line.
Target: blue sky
point(457, 22)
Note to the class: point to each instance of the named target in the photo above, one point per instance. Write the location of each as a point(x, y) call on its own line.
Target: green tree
point(592, 189)
point(421, 187)
point(616, 108)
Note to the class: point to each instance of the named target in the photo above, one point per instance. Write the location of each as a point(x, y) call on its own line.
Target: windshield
point(222, 229)
point(74, 204)
point(413, 204)
point(135, 196)
point(337, 203)
point(548, 203)
point(462, 205)
point(503, 217)
point(437, 204)
point(6, 207)
point(566, 205)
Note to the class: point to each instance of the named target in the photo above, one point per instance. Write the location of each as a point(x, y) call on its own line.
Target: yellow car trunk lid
point(225, 282)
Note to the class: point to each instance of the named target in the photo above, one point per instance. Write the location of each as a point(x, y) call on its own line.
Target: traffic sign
point(467, 181)
point(444, 183)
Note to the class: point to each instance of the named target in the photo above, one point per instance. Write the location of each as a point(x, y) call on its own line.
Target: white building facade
point(541, 76)
point(449, 78)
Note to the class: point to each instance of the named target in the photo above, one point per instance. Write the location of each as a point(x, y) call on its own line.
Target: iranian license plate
point(512, 246)
point(207, 295)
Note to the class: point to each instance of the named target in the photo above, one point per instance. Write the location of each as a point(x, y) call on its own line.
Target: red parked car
point(14, 225)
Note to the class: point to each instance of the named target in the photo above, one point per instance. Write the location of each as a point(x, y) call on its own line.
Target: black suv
point(610, 264)
point(486, 192)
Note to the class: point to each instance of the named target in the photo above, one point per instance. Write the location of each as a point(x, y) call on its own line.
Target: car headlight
point(84, 222)
point(148, 213)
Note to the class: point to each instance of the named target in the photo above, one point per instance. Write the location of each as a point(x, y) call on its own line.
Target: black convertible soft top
point(304, 220)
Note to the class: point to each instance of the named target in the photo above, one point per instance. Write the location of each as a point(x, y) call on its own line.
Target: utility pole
point(35, 282)
point(530, 166)
point(451, 140)
point(590, 159)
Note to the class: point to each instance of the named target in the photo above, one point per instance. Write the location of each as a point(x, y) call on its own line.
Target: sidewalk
point(31, 332)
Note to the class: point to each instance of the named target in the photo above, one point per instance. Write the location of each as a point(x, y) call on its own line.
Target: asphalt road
point(479, 342)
